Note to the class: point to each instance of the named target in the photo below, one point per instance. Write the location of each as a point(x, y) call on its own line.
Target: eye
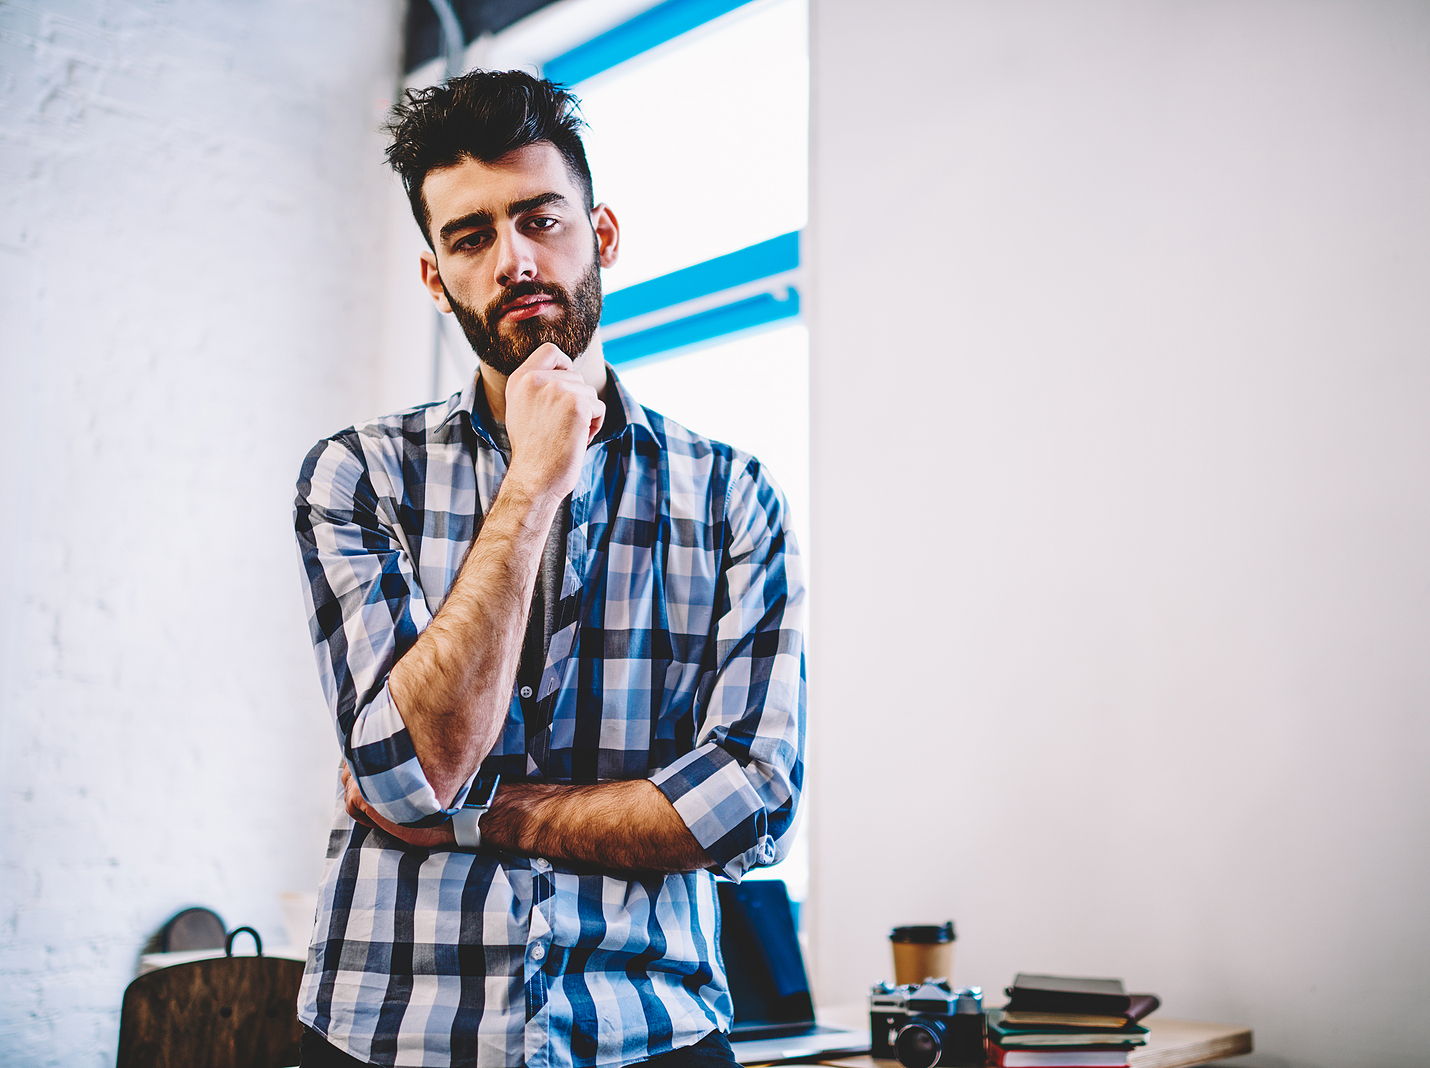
point(470, 242)
point(542, 222)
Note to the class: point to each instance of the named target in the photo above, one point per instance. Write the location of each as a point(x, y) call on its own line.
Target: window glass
point(699, 146)
point(751, 390)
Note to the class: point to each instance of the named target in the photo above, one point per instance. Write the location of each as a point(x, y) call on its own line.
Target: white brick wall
point(190, 243)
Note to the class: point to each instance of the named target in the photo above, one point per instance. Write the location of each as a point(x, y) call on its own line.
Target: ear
point(433, 281)
point(608, 234)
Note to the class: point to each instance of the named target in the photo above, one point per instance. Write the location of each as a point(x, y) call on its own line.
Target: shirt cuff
point(724, 812)
point(387, 770)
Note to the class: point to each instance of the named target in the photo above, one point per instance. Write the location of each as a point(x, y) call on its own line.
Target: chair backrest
point(195, 928)
point(228, 1012)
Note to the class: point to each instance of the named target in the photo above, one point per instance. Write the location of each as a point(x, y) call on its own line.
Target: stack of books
point(1058, 1021)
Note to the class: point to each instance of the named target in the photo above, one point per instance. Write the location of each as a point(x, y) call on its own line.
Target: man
point(538, 579)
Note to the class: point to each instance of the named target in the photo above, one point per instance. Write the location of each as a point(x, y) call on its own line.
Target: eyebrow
point(474, 219)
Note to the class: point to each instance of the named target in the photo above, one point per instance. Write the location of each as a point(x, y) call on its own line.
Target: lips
point(525, 307)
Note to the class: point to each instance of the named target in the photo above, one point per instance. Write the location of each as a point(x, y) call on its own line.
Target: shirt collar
point(638, 425)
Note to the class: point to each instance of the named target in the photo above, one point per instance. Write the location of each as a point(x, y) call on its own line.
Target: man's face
point(517, 257)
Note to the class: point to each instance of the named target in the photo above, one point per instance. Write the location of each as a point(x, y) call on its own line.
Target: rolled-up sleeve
point(365, 609)
point(738, 790)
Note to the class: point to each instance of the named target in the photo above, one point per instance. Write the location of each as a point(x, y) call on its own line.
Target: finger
point(357, 809)
point(352, 796)
point(598, 418)
point(588, 402)
point(570, 391)
point(558, 378)
point(548, 357)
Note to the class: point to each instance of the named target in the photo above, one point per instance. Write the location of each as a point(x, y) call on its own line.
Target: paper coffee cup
point(922, 951)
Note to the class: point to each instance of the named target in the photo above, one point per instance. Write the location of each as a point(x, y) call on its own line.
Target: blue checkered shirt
point(677, 656)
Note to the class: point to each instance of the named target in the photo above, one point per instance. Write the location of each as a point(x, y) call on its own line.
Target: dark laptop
point(774, 1013)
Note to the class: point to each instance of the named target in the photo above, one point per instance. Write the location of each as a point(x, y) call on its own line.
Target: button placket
point(538, 1008)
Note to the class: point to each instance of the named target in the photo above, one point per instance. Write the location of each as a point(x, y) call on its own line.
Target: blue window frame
point(645, 31)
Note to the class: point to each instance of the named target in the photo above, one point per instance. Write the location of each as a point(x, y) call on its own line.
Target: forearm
point(615, 826)
point(453, 687)
point(620, 826)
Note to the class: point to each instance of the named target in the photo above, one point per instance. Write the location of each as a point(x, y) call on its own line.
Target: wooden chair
point(225, 1012)
point(195, 928)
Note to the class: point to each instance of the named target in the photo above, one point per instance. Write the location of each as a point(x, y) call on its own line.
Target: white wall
point(188, 265)
point(1119, 343)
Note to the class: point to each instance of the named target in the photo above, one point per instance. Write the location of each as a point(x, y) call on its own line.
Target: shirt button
point(537, 952)
point(526, 691)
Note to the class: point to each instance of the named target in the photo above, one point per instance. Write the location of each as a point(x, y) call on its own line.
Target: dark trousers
point(712, 1051)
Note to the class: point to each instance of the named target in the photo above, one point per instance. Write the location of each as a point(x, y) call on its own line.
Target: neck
point(590, 365)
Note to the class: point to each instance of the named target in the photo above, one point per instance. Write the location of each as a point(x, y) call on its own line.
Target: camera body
point(928, 1024)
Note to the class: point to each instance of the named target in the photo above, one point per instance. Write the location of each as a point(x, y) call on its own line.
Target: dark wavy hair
point(484, 115)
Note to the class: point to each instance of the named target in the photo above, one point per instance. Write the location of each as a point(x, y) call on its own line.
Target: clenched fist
point(552, 415)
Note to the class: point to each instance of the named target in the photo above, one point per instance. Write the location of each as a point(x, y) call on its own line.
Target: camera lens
point(920, 1044)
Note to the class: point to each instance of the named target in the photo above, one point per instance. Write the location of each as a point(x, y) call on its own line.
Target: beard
point(506, 349)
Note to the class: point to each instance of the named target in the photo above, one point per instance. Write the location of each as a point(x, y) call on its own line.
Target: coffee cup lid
point(923, 933)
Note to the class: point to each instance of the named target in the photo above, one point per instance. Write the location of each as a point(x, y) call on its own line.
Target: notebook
point(774, 1013)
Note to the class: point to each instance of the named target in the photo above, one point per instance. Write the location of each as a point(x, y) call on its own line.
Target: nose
point(516, 259)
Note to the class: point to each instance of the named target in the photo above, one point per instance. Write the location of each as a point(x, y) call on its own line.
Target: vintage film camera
point(928, 1024)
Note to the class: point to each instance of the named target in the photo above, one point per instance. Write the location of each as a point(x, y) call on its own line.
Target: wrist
point(530, 491)
point(508, 821)
point(465, 824)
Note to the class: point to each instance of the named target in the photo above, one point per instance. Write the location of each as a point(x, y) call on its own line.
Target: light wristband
point(466, 821)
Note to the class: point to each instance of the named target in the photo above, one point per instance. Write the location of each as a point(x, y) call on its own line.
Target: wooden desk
point(1171, 1043)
